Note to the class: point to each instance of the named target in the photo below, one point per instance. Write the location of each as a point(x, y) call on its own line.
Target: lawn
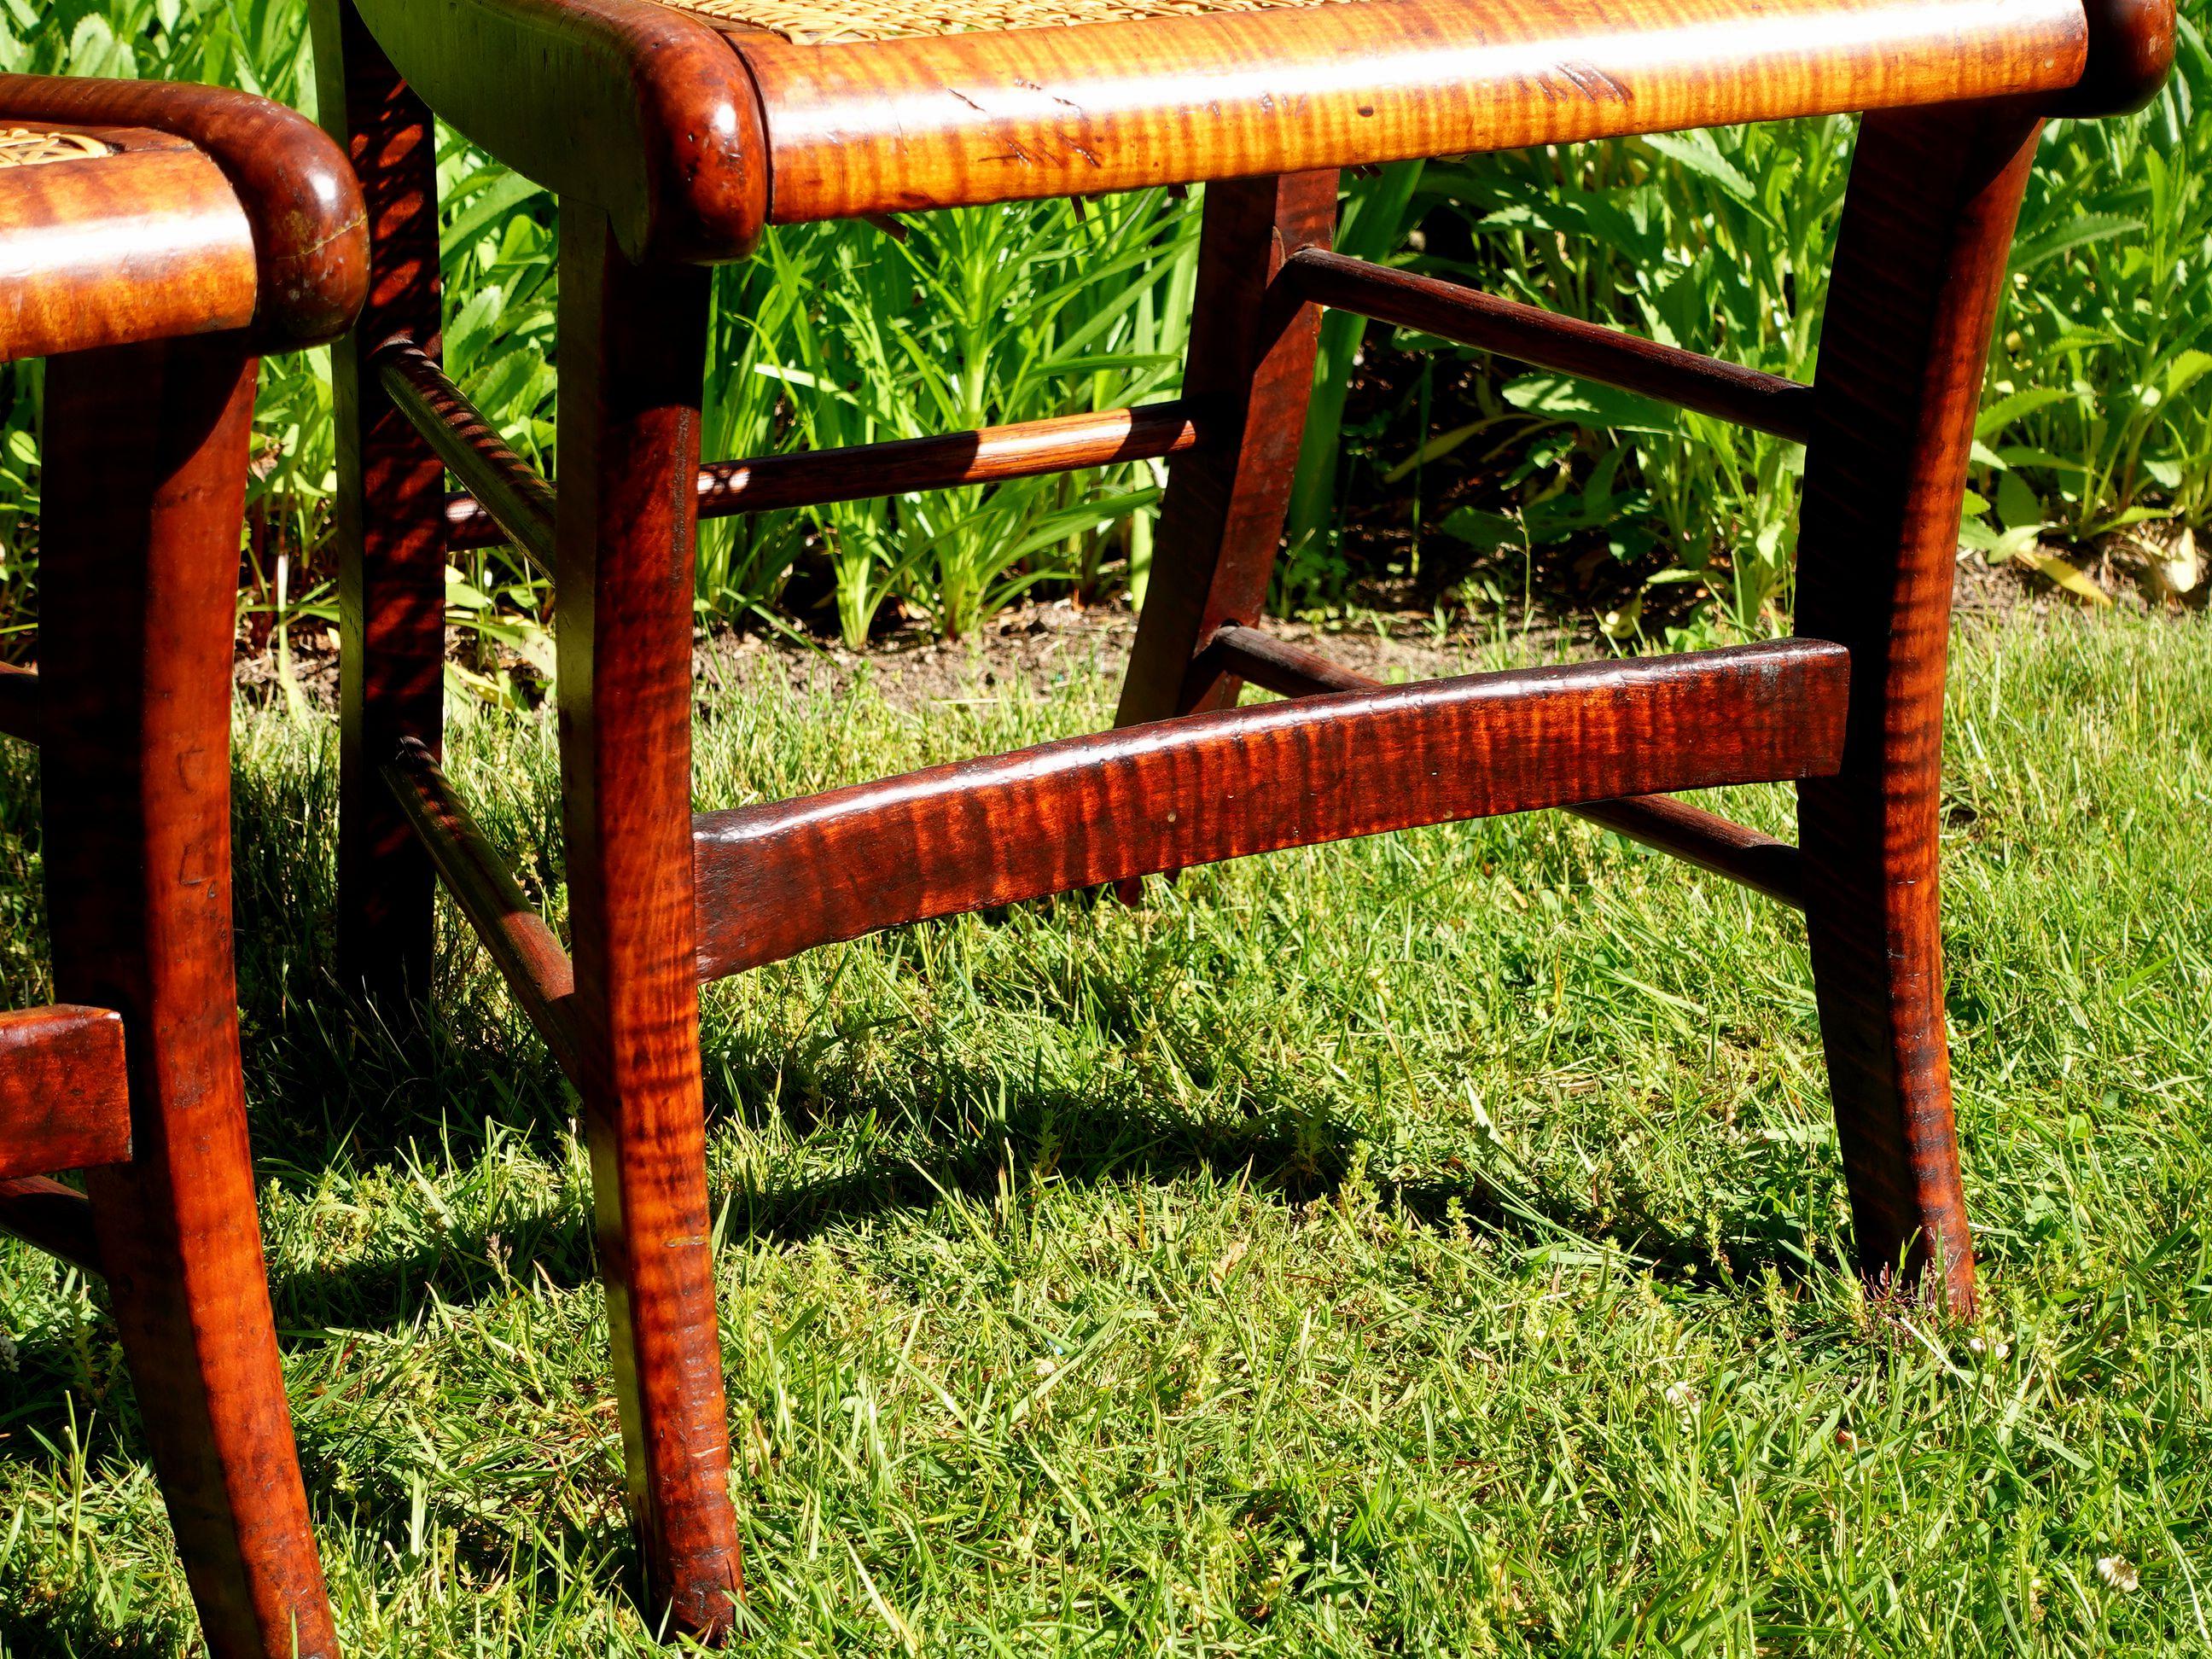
point(1426, 1244)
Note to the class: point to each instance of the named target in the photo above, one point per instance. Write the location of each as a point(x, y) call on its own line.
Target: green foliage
point(2101, 411)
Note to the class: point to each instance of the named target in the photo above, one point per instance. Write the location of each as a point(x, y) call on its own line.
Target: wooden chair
point(153, 240)
point(673, 132)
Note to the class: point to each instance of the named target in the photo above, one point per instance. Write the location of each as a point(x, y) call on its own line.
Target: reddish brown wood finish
point(307, 245)
point(55, 1218)
point(640, 111)
point(633, 343)
point(1252, 346)
point(390, 523)
point(65, 1103)
point(778, 878)
point(141, 244)
point(1746, 396)
point(18, 703)
point(523, 949)
point(1704, 839)
point(507, 489)
point(144, 484)
point(2131, 54)
point(1920, 257)
point(892, 126)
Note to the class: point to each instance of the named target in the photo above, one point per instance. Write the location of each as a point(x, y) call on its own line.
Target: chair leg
point(1919, 266)
point(391, 527)
point(1222, 519)
point(633, 353)
point(145, 473)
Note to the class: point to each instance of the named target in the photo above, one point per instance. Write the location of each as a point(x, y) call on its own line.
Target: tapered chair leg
point(633, 354)
point(390, 521)
point(1927, 225)
point(1221, 521)
point(145, 471)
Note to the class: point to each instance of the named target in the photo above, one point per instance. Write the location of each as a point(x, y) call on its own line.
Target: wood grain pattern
point(308, 240)
point(55, 1218)
point(1927, 225)
point(1251, 354)
point(144, 482)
point(1704, 839)
point(64, 1102)
point(526, 951)
point(861, 471)
point(893, 126)
point(782, 878)
point(633, 344)
point(2130, 55)
point(1766, 402)
point(390, 524)
point(641, 111)
point(506, 489)
point(18, 703)
point(142, 245)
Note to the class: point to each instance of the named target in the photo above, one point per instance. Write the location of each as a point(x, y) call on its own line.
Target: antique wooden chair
point(673, 132)
point(153, 240)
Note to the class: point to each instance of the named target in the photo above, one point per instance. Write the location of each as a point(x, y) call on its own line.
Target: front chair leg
point(1252, 355)
point(633, 354)
point(145, 480)
point(1919, 266)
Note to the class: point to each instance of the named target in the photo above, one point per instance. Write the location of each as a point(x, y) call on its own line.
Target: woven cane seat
point(829, 22)
point(30, 147)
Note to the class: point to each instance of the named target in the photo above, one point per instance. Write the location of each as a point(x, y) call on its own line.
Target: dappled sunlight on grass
point(1426, 1244)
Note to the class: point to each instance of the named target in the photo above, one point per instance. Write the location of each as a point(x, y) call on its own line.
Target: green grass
point(1429, 1244)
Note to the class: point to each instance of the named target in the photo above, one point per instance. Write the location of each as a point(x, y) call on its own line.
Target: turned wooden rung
point(64, 1098)
point(510, 496)
point(1171, 794)
point(18, 703)
point(526, 951)
point(1065, 443)
point(1690, 833)
point(1766, 403)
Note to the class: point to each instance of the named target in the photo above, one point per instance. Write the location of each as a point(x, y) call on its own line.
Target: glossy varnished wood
point(526, 951)
point(18, 703)
point(65, 1103)
point(778, 878)
point(309, 238)
point(1920, 257)
point(638, 110)
point(1746, 396)
point(862, 471)
point(507, 489)
point(1704, 839)
point(141, 244)
point(1252, 345)
point(633, 343)
point(145, 455)
point(56, 1218)
point(389, 528)
point(897, 125)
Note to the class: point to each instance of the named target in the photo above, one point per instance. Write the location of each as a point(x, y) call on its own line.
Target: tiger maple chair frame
point(156, 239)
point(672, 139)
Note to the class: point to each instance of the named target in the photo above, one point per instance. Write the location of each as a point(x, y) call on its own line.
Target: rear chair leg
point(391, 527)
point(633, 344)
point(1222, 520)
point(1919, 266)
point(145, 480)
